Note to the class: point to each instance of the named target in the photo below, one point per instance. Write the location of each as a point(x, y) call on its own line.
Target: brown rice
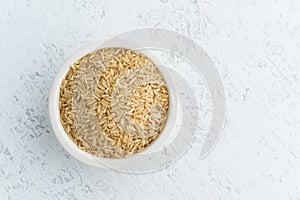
point(113, 102)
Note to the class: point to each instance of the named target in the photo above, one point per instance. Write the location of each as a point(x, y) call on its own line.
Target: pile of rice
point(113, 102)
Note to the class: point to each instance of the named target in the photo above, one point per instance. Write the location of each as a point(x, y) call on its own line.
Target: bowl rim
point(65, 140)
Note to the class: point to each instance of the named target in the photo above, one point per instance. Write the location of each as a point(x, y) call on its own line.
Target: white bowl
point(88, 158)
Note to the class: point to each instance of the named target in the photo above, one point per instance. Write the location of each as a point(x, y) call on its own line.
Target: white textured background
point(255, 46)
